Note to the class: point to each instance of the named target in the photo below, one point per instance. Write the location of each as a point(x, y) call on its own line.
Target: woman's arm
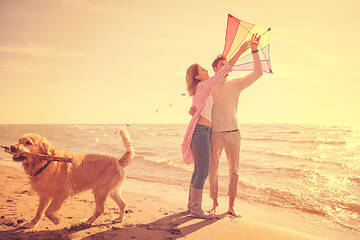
point(242, 49)
point(209, 83)
point(221, 74)
point(203, 89)
point(206, 86)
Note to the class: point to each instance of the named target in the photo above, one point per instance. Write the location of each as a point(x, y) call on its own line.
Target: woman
point(196, 144)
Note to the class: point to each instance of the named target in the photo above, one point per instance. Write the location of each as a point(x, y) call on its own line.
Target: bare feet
point(213, 210)
point(231, 208)
point(28, 225)
point(232, 212)
point(119, 219)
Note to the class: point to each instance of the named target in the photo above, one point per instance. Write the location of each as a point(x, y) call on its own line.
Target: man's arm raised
point(257, 72)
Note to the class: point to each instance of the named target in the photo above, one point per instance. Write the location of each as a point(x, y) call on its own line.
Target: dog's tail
point(128, 156)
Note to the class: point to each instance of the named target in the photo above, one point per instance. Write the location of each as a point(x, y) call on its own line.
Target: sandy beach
point(152, 212)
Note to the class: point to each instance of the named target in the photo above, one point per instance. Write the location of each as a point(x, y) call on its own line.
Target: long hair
point(191, 81)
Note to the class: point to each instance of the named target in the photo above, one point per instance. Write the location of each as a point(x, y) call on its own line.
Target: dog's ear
point(48, 148)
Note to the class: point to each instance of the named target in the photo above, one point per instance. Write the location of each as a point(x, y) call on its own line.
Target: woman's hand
point(255, 39)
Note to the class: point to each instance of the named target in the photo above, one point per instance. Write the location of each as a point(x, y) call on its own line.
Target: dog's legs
point(43, 203)
point(54, 206)
point(116, 196)
point(99, 209)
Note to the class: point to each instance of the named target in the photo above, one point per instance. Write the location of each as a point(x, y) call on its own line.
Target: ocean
point(310, 168)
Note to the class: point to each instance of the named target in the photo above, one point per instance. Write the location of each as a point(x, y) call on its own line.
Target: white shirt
point(207, 111)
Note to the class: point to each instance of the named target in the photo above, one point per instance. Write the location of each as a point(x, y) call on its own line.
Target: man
point(225, 130)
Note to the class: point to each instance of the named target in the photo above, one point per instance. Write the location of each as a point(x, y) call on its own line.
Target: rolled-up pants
point(230, 141)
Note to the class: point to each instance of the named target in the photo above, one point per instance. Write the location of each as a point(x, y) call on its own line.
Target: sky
point(124, 62)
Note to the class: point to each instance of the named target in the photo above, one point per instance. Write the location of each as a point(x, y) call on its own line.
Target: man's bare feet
point(231, 208)
point(232, 212)
point(213, 210)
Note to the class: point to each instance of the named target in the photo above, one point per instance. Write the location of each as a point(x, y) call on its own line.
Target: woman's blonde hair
point(191, 81)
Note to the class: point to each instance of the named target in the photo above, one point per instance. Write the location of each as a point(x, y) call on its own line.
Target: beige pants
point(230, 141)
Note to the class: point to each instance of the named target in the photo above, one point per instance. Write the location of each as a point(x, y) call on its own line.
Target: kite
point(238, 32)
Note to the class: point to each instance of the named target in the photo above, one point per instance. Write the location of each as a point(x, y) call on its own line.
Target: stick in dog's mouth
point(16, 156)
point(25, 155)
point(6, 149)
point(19, 158)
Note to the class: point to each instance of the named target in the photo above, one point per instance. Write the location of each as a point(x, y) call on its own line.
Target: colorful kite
point(238, 32)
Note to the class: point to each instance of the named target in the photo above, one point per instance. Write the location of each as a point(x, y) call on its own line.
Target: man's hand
point(255, 39)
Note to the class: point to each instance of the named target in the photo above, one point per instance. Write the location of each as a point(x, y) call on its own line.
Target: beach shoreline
point(153, 212)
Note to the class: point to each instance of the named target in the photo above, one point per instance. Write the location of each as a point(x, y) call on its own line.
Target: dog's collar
point(42, 168)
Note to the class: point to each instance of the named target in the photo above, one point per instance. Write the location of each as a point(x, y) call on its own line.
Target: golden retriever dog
point(55, 181)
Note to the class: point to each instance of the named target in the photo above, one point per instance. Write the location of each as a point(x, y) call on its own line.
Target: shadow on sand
point(168, 227)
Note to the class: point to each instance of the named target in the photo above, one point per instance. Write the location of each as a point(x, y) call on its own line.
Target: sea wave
point(279, 198)
point(288, 155)
point(306, 141)
point(352, 207)
point(317, 142)
point(156, 161)
point(154, 134)
point(145, 153)
point(355, 179)
point(343, 213)
point(285, 132)
point(301, 156)
point(165, 134)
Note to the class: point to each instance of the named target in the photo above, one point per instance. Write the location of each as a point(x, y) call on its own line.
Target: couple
point(213, 126)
